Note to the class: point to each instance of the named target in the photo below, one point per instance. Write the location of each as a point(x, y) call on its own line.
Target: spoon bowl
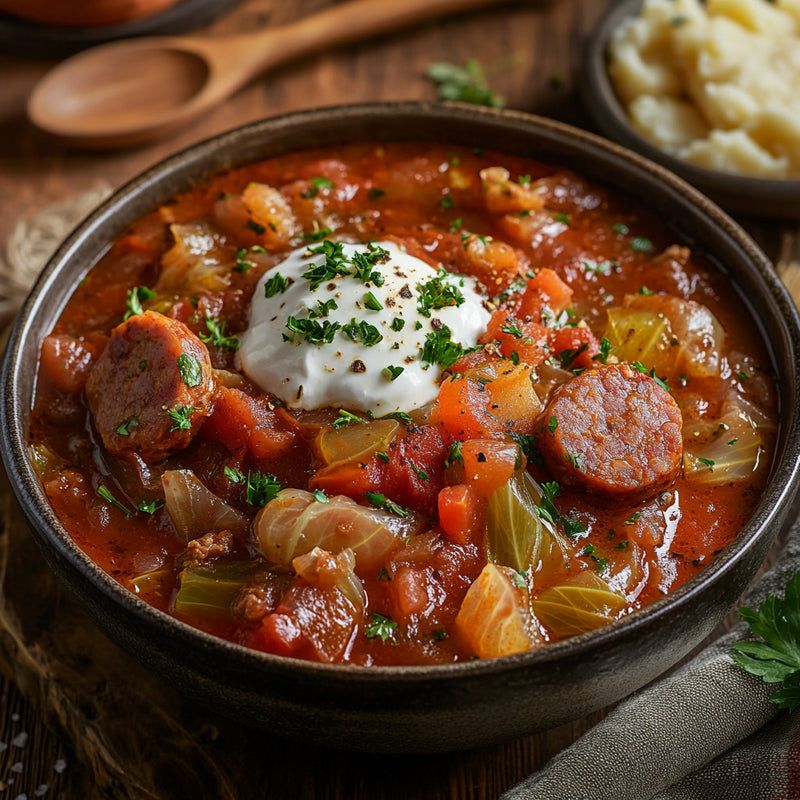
point(121, 92)
point(134, 91)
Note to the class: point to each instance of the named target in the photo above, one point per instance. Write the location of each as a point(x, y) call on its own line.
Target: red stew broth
point(431, 200)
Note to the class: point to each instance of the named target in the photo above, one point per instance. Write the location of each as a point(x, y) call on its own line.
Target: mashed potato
point(714, 83)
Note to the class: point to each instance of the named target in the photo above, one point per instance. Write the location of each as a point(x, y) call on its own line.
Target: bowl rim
point(606, 110)
point(133, 195)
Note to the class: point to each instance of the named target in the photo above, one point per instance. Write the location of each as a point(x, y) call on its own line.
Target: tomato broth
point(605, 434)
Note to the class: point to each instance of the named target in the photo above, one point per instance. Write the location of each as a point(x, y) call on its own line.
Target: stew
point(402, 404)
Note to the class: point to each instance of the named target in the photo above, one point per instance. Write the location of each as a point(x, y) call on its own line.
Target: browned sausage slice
point(151, 388)
point(613, 431)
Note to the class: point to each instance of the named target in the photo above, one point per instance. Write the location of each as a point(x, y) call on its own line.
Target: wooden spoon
point(136, 90)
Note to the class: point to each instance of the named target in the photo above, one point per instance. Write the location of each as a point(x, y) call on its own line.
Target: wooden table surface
point(530, 52)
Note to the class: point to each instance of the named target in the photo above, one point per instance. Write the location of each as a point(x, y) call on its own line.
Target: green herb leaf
point(380, 627)
point(641, 245)
point(181, 418)
point(137, 296)
point(317, 183)
point(260, 487)
point(150, 506)
point(123, 429)
point(777, 657)
point(438, 293)
point(105, 493)
point(381, 501)
point(190, 369)
point(345, 418)
point(391, 373)
point(467, 83)
point(216, 334)
point(275, 284)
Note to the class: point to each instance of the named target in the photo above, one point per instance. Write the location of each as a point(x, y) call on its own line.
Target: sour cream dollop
point(364, 327)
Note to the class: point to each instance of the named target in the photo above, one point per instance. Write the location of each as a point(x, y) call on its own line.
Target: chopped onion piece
point(195, 509)
point(193, 265)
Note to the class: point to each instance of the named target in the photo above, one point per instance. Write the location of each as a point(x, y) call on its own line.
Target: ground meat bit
point(613, 431)
point(208, 547)
point(151, 388)
point(261, 596)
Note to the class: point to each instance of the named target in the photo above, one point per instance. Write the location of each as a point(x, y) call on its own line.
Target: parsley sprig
point(775, 659)
point(467, 84)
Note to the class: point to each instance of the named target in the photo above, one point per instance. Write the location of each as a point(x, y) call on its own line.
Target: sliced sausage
point(612, 431)
point(151, 388)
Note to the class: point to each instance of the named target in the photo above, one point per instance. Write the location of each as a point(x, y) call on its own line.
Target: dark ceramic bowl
point(415, 709)
point(761, 197)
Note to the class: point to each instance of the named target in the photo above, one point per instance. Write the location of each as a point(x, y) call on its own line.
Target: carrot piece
point(544, 289)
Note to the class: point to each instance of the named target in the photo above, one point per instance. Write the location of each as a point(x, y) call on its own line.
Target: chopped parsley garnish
point(621, 228)
point(420, 473)
point(137, 296)
point(552, 425)
point(317, 183)
point(382, 501)
point(260, 487)
point(365, 261)
point(605, 350)
point(243, 263)
point(602, 267)
point(105, 493)
point(639, 367)
point(454, 454)
point(519, 580)
point(437, 293)
point(467, 83)
point(123, 429)
point(375, 194)
point(345, 418)
point(707, 461)
point(181, 418)
point(362, 332)
point(216, 334)
point(275, 284)
point(335, 264)
point(190, 369)
point(150, 506)
point(776, 658)
point(317, 235)
point(256, 227)
point(398, 415)
point(383, 456)
point(637, 515)
point(512, 328)
point(391, 372)
point(323, 308)
point(320, 496)
point(447, 201)
point(439, 348)
point(455, 225)
point(641, 245)
point(380, 627)
point(371, 302)
point(311, 330)
point(398, 323)
point(563, 218)
point(645, 291)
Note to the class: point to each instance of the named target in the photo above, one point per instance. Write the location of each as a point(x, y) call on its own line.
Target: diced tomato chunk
point(526, 339)
point(461, 512)
point(489, 464)
point(575, 347)
point(544, 289)
point(245, 423)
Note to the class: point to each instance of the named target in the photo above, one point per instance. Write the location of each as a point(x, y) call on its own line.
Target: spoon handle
point(246, 55)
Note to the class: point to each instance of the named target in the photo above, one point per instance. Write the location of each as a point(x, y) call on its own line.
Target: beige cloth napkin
point(706, 732)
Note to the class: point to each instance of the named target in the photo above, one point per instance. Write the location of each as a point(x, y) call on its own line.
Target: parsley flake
point(190, 370)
